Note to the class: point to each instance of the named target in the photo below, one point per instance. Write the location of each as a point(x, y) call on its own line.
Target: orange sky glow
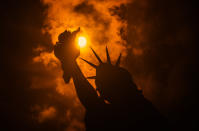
point(99, 28)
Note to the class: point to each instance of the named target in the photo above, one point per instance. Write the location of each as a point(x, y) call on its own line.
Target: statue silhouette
point(120, 105)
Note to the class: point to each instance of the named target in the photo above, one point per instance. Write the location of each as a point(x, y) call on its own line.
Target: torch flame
point(82, 41)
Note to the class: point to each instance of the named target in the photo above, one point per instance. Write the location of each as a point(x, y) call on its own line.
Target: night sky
point(158, 40)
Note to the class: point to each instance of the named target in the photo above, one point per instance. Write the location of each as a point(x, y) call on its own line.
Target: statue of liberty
point(119, 105)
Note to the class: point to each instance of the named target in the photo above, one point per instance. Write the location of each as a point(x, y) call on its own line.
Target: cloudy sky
point(157, 39)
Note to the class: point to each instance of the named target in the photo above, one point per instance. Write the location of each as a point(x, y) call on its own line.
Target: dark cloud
point(85, 8)
point(120, 11)
point(90, 12)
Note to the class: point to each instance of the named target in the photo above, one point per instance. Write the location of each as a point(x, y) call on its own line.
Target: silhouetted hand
point(67, 51)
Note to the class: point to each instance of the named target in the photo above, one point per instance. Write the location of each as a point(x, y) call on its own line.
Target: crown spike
point(118, 60)
point(91, 64)
point(96, 55)
point(91, 77)
point(107, 55)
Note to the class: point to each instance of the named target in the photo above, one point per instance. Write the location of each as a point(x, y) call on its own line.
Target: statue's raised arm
point(67, 52)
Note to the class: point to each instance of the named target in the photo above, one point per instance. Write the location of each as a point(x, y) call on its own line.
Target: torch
point(67, 51)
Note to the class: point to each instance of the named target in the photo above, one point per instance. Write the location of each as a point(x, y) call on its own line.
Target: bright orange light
point(82, 41)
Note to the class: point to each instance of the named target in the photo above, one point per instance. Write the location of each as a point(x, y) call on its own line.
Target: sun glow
point(82, 41)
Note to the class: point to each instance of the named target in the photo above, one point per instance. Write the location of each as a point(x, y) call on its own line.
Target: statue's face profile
point(111, 81)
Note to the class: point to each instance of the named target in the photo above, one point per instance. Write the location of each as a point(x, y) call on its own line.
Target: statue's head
point(112, 81)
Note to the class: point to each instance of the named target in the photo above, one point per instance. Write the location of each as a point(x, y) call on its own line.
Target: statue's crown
point(103, 66)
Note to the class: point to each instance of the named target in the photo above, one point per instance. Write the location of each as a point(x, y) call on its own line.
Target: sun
point(82, 41)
